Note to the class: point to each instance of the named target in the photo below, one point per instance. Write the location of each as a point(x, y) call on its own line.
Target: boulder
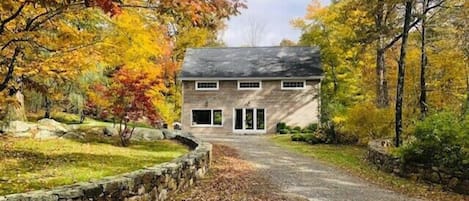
point(75, 126)
point(93, 130)
point(73, 136)
point(52, 125)
point(463, 187)
point(46, 134)
point(146, 134)
point(19, 127)
point(168, 134)
point(110, 131)
point(25, 134)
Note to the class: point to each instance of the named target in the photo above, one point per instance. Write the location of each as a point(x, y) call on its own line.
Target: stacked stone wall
point(379, 155)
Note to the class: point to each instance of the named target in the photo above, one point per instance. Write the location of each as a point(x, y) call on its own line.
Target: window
point(207, 117)
point(249, 85)
point(293, 84)
point(249, 119)
point(206, 85)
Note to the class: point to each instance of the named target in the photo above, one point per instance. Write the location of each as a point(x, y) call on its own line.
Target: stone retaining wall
point(152, 183)
point(380, 157)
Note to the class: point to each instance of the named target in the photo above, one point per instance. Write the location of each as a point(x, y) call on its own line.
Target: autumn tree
point(129, 100)
point(60, 40)
point(329, 28)
point(461, 35)
point(286, 43)
point(35, 41)
point(346, 32)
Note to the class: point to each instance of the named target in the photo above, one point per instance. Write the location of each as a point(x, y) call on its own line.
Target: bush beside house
point(283, 128)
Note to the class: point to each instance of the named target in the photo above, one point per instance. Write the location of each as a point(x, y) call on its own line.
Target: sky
point(273, 15)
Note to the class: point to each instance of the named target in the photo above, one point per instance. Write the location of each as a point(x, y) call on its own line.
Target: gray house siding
point(297, 107)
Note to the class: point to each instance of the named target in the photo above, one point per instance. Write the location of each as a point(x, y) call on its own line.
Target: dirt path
point(301, 176)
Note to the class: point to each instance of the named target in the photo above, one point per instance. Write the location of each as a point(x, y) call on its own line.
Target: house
point(246, 90)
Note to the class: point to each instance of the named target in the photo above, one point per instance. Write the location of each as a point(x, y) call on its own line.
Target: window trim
point(207, 89)
point(246, 131)
point(211, 125)
point(293, 88)
point(248, 81)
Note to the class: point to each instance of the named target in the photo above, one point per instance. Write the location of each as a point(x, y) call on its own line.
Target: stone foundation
point(379, 156)
point(153, 183)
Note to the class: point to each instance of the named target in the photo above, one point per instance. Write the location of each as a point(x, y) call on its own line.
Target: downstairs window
point(208, 117)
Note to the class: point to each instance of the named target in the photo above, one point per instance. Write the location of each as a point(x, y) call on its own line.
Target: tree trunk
point(423, 65)
point(382, 96)
point(16, 111)
point(401, 71)
point(465, 47)
point(48, 106)
point(334, 79)
point(82, 117)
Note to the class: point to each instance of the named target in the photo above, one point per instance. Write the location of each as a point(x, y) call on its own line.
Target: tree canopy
point(360, 44)
point(53, 51)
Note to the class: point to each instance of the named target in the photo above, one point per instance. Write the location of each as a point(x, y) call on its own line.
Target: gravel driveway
point(301, 176)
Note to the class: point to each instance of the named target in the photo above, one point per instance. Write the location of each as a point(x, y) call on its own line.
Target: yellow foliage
point(366, 122)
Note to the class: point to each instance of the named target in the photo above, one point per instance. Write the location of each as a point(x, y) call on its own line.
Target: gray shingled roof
point(251, 62)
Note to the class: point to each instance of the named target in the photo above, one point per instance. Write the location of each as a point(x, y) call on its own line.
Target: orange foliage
point(107, 6)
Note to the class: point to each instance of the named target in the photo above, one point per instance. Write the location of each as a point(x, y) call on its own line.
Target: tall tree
point(382, 16)
point(384, 35)
point(401, 70)
point(423, 62)
point(461, 23)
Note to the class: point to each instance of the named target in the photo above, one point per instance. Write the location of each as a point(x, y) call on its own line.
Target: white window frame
point(249, 81)
point(293, 88)
point(247, 131)
point(211, 125)
point(206, 89)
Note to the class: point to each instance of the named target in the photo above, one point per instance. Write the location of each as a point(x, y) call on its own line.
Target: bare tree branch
point(413, 24)
point(31, 25)
point(139, 6)
point(11, 67)
point(11, 42)
point(12, 17)
point(39, 23)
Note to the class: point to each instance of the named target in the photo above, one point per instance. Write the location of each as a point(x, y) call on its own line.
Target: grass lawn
point(31, 164)
point(351, 159)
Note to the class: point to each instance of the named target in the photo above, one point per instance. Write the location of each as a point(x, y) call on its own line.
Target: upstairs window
point(206, 85)
point(301, 84)
point(249, 85)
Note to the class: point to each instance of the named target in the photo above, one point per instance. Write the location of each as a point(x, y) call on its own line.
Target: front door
point(249, 120)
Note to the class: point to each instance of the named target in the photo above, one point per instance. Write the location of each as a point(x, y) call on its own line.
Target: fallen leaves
point(231, 178)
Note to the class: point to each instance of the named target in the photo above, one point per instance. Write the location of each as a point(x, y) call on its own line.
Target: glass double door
point(249, 120)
